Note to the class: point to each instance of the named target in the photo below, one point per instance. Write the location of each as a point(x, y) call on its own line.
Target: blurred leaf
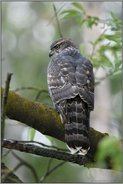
point(118, 65)
point(79, 6)
point(92, 20)
point(106, 62)
point(113, 48)
point(113, 37)
point(109, 147)
point(119, 72)
point(70, 13)
point(82, 21)
point(115, 22)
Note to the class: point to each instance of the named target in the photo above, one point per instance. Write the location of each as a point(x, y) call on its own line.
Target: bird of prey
point(70, 81)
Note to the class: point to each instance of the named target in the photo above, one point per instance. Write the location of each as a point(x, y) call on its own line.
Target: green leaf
point(110, 147)
point(71, 11)
point(113, 37)
point(79, 6)
point(116, 20)
point(112, 48)
point(118, 65)
point(113, 15)
point(118, 72)
point(82, 21)
point(105, 61)
point(92, 20)
point(115, 23)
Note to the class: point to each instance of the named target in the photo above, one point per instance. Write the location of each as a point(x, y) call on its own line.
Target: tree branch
point(4, 102)
point(36, 115)
point(46, 152)
point(44, 119)
point(87, 161)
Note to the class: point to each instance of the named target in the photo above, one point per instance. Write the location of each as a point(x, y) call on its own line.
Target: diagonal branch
point(52, 153)
point(42, 118)
point(87, 160)
point(36, 115)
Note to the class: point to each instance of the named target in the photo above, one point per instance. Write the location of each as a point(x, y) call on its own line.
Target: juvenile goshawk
point(71, 87)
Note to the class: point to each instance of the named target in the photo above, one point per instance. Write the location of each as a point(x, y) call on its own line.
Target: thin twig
point(31, 88)
point(57, 14)
point(47, 170)
point(27, 88)
point(49, 164)
point(5, 178)
point(5, 154)
point(33, 149)
point(57, 20)
point(93, 50)
point(52, 170)
point(94, 45)
point(4, 102)
point(39, 93)
point(23, 162)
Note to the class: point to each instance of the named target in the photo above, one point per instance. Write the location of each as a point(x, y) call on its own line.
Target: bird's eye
point(57, 46)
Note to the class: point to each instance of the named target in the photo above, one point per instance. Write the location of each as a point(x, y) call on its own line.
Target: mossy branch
point(35, 115)
point(42, 118)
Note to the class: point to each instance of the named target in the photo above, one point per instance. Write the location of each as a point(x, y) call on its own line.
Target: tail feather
point(77, 125)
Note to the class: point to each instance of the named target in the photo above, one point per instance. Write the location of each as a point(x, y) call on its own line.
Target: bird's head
point(60, 45)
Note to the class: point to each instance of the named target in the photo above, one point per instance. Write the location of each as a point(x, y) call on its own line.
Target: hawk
point(70, 81)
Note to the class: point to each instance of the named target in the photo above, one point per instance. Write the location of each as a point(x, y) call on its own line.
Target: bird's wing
point(68, 77)
point(61, 79)
point(85, 81)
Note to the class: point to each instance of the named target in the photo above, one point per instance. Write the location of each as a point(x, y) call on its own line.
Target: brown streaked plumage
point(71, 87)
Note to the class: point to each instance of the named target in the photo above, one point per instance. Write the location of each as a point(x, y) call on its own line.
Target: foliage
point(106, 54)
point(109, 148)
point(106, 49)
point(81, 15)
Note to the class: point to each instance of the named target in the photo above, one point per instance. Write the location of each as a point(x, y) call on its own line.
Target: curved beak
point(51, 52)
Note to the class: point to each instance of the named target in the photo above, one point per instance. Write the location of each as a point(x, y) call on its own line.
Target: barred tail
point(77, 125)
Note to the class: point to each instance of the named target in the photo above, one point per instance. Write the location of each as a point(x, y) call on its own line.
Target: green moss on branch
point(42, 118)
